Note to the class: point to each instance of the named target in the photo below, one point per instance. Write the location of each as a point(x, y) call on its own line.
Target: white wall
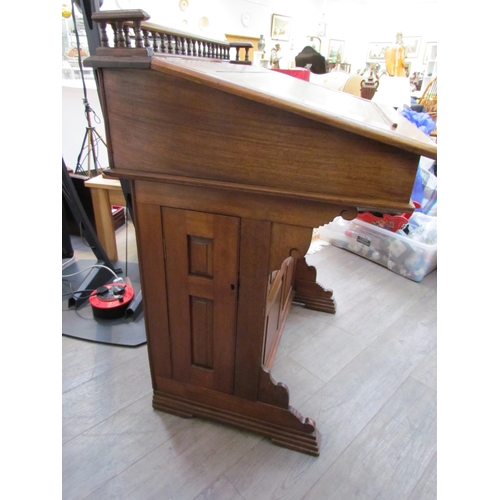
point(381, 20)
point(74, 122)
point(358, 22)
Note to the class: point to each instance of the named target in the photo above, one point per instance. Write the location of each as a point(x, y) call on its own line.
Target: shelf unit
point(430, 71)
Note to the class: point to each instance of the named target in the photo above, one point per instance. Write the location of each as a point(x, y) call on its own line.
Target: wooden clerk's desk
point(232, 166)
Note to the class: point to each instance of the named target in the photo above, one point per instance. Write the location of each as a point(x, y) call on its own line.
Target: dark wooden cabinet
point(231, 168)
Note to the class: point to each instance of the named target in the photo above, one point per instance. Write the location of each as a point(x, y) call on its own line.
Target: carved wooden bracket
point(309, 292)
point(272, 392)
point(288, 241)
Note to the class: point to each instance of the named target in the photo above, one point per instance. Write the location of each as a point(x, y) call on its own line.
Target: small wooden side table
point(105, 194)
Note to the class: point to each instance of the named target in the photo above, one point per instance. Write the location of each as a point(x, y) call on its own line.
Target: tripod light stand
point(91, 138)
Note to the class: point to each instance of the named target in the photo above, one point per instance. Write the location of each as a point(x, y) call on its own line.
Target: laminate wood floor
point(366, 375)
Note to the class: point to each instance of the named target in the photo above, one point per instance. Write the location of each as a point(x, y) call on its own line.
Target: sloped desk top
point(335, 108)
point(259, 131)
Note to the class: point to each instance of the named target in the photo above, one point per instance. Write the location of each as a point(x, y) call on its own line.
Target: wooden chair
point(353, 85)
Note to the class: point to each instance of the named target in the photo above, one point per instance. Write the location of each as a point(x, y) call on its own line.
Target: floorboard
point(366, 375)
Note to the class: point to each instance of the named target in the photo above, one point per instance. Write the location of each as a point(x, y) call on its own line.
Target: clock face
point(245, 18)
point(203, 23)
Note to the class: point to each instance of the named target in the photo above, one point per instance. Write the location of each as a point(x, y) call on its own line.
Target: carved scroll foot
point(309, 292)
point(276, 393)
point(308, 442)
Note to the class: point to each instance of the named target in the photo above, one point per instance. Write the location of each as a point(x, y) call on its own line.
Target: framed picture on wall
point(376, 51)
point(430, 52)
point(412, 44)
point(280, 27)
point(336, 50)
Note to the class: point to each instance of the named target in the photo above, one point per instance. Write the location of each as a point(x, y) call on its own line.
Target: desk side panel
point(152, 266)
point(166, 125)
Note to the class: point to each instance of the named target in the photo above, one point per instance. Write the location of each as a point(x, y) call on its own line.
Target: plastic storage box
point(407, 257)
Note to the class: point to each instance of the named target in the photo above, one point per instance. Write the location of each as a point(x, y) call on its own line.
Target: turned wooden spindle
point(170, 48)
point(104, 36)
point(163, 45)
point(126, 33)
point(119, 34)
point(145, 34)
point(139, 40)
point(155, 36)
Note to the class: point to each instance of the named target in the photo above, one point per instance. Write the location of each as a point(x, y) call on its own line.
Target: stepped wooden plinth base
point(323, 304)
point(285, 427)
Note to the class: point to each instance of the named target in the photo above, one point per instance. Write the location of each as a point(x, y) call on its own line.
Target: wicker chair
point(429, 101)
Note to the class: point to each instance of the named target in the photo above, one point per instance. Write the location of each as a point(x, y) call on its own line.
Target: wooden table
point(105, 194)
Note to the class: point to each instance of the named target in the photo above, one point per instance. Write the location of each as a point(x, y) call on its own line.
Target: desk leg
point(207, 360)
point(104, 222)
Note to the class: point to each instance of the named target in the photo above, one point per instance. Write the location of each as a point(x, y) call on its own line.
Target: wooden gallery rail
point(231, 167)
point(129, 26)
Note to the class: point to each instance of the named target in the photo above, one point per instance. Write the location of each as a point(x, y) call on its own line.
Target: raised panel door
point(201, 255)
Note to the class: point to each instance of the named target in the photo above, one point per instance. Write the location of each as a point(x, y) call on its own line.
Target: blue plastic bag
point(425, 187)
point(422, 120)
